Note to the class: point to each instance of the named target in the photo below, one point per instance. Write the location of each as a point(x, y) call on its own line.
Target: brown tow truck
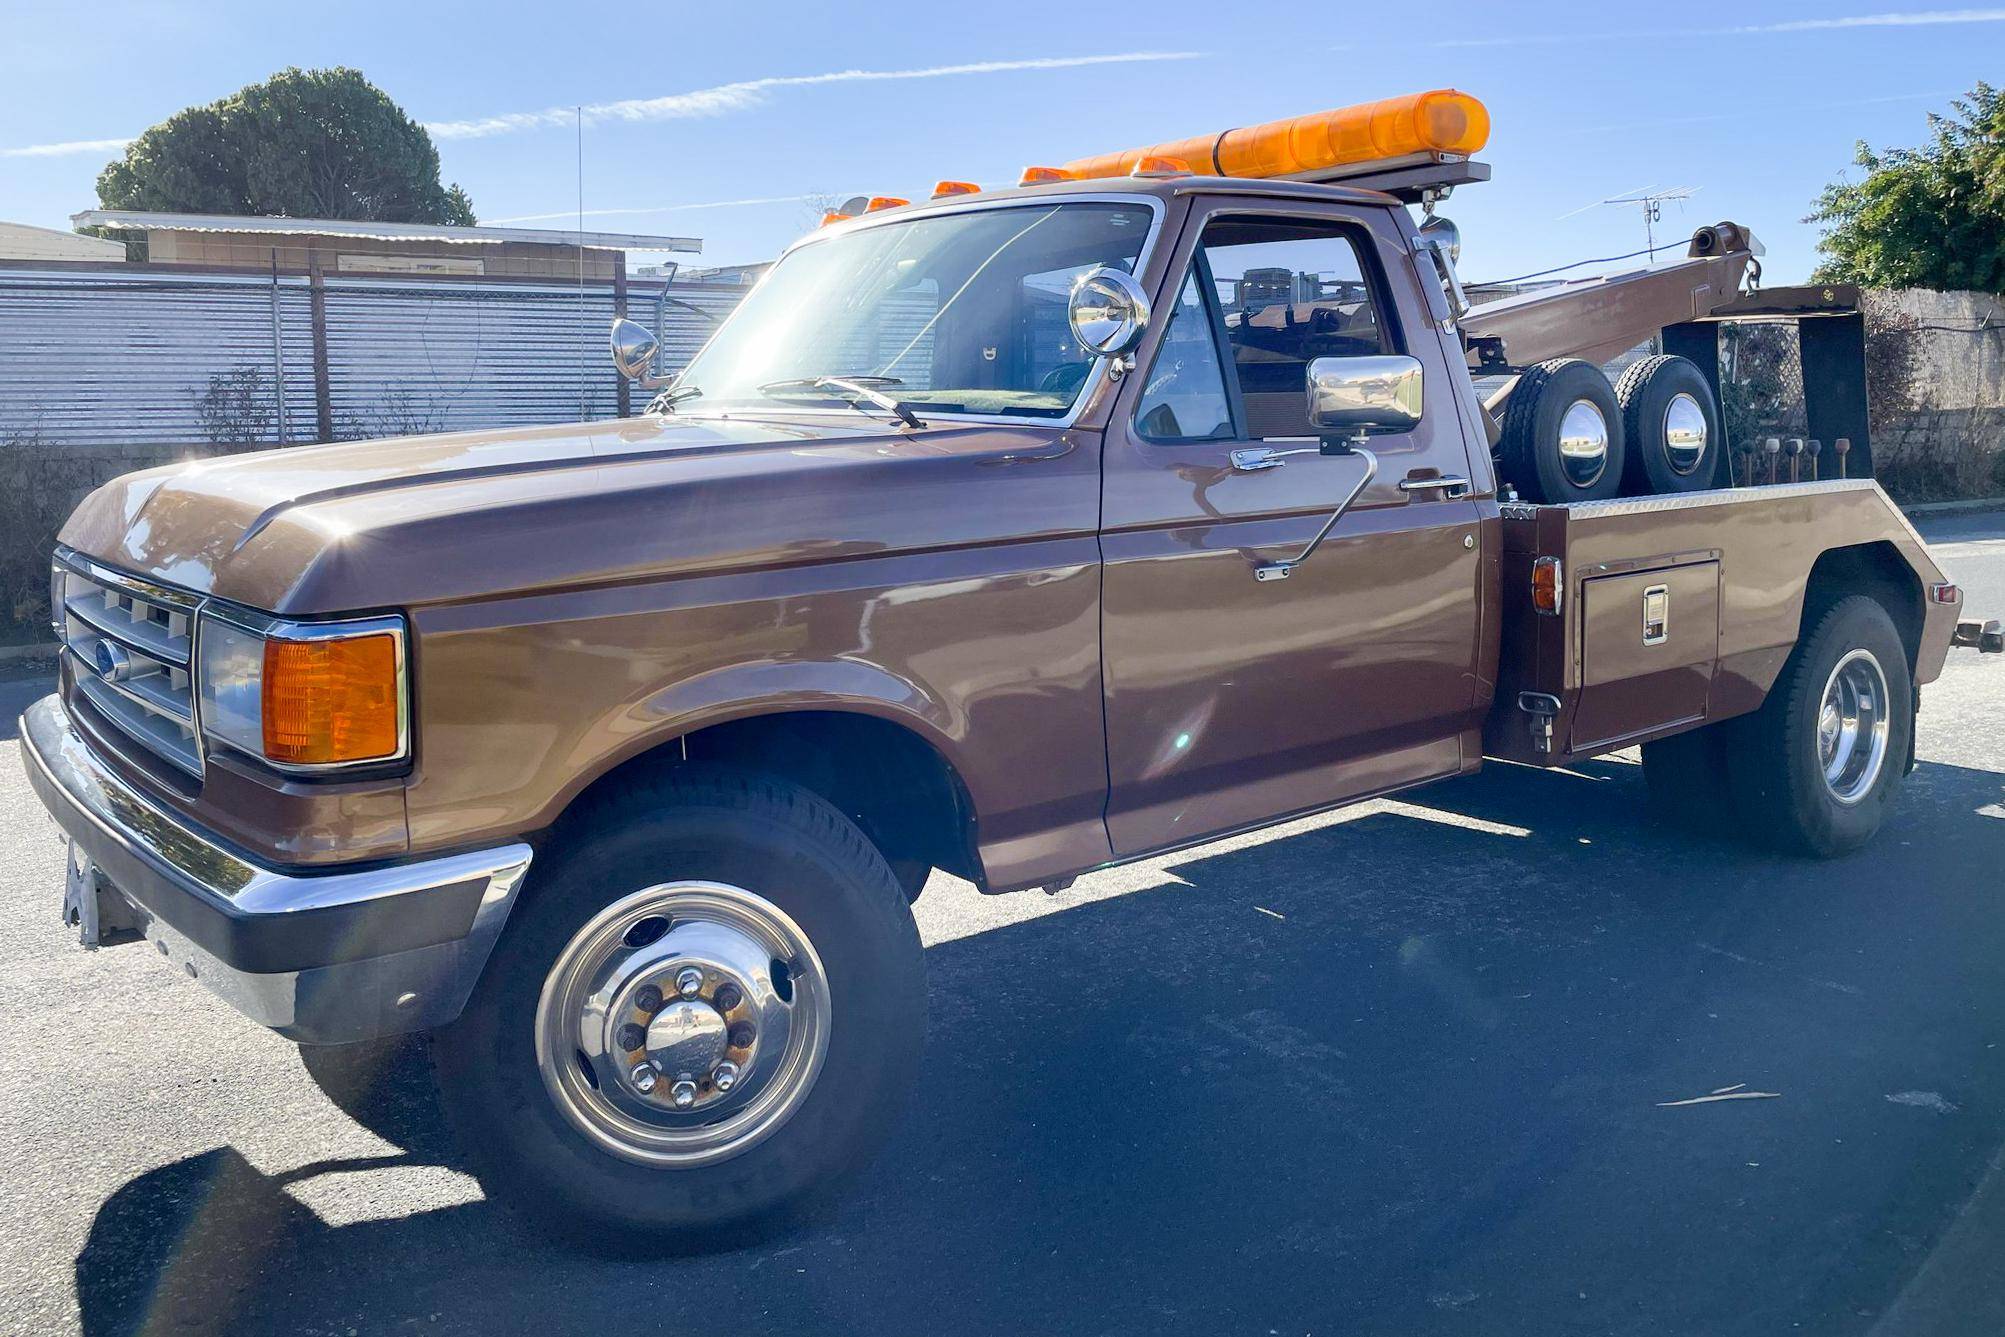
point(1012, 533)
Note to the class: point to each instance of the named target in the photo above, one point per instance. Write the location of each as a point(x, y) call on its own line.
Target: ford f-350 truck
point(1013, 533)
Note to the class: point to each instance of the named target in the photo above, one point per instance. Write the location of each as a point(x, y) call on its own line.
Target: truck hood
point(402, 522)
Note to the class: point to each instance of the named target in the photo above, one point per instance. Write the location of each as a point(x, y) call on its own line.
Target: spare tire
point(1670, 425)
point(1562, 433)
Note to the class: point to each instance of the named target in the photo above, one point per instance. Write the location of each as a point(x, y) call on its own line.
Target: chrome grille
point(130, 644)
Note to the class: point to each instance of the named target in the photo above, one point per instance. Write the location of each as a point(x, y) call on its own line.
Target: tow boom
point(1599, 318)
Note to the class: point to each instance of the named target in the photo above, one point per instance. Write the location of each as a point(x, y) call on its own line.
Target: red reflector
point(1945, 593)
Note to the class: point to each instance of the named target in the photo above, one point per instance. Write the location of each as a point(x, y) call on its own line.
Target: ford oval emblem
point(113, 664)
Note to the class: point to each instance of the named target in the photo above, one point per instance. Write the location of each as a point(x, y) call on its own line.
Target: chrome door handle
point(1456, 488)
point(1252, 459)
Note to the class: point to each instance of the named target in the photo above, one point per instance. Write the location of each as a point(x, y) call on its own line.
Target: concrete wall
point(1951, 442)
point(1960, 346)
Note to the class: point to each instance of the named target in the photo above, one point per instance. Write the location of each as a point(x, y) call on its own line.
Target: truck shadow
point(1402, 1071)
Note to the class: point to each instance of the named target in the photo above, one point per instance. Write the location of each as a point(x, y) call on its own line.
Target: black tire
point(1776, 766)
point(1687, 778)
point(1529, 449)
point(803, 856)
point(1649, 392)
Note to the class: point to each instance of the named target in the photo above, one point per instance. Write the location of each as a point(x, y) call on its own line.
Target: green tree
point(1927, 217)
point(302, 144)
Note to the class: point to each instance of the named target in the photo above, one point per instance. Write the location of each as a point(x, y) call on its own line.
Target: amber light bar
point(1441, 121)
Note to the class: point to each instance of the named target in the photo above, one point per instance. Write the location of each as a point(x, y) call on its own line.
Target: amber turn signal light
point(943, 189)
point(331, 701)
point(834, 216)
point(884, 202)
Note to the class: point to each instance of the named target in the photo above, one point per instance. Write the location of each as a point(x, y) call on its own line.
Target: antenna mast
point(1651, 201)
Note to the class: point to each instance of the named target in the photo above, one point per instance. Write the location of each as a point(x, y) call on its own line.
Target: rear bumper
point(322, 958)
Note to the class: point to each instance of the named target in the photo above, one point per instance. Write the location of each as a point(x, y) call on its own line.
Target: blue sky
point(714, 120)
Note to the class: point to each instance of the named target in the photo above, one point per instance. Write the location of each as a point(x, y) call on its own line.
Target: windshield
point(957, 313)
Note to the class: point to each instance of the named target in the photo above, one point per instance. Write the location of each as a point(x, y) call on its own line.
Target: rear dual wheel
point(1816, 769)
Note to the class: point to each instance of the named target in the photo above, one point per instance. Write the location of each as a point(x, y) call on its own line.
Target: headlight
point(305, 695)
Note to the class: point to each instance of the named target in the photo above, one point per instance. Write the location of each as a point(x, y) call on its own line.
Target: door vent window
point(1184, 398)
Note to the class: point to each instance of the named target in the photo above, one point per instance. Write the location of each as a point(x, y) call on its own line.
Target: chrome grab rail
point(1280, 570)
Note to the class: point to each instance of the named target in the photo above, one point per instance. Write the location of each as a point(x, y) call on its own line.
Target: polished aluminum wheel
point(1853, 723)
point(1684, 433)
point(1583, 443)
point(683, 1024)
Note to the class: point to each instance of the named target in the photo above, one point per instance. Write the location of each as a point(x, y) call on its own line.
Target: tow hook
point(1542, 707)
point(1983, 637)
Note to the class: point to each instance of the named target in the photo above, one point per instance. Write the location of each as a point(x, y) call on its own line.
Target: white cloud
point(1925, 18)
point(64, 150)
point(1920, 19)
point(680, 106)
point(751, 92)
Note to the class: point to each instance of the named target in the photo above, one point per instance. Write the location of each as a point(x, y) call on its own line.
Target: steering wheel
point(1065, 378)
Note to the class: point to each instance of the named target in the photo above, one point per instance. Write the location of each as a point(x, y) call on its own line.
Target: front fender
point(771, 687)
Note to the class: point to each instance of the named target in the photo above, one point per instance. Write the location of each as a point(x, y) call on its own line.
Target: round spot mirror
point(1108, 311)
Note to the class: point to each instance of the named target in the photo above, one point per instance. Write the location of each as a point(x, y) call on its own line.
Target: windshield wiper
point(666, 401)
point(861, 387)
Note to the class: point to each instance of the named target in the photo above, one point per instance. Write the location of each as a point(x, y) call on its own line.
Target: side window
point(1291, 291)
point(1185, 397)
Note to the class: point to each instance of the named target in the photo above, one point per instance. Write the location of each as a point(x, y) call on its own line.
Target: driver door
point(1231, 701)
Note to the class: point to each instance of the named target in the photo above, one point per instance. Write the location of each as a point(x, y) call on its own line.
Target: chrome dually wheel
point(703, 1017)
point(1816, 769)
point(683, 1024)
point(1853, 722)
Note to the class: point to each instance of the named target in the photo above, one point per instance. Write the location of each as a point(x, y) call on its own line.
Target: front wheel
point(705, 1014)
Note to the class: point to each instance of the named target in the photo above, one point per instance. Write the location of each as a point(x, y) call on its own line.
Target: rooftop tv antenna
point(1652, 201)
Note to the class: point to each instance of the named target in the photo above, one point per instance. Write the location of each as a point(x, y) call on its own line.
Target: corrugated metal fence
point(130, 354)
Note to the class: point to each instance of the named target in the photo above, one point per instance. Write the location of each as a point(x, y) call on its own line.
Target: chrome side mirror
point(1349, 396)
point(1444, 236)
point(1442, 241)
point(1108, 311)
point(634, 347)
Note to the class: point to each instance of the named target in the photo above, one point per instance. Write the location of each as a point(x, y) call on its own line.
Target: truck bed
point(1675, 611)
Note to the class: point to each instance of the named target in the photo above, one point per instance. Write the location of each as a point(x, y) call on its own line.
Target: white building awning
point(20, 241)
point(144, 220)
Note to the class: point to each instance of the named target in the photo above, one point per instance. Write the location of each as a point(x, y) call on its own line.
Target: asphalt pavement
point(1411, 1068)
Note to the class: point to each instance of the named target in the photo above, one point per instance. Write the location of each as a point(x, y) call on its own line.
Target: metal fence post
point(323, 399)
point(278, 351)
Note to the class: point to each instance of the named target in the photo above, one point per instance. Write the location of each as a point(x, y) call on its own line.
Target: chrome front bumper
point(323, 958)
